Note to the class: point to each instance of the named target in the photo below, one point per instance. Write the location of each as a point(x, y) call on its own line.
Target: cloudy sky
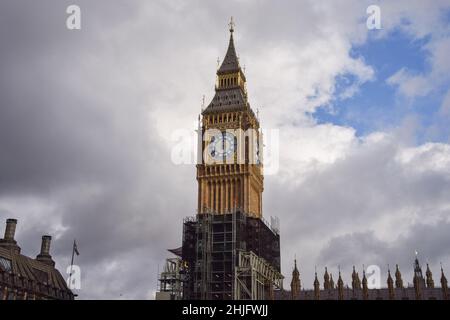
point(87, 119)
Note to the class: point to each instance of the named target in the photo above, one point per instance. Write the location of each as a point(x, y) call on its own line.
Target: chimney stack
point(10, 229)
point(45, 246)
point(45, 256)
point(8, 241)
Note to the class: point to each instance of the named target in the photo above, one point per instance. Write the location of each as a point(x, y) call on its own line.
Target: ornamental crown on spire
point(231, 61)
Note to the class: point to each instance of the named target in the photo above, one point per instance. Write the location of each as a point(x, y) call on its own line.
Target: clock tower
point(229, 172)
point(229, 251)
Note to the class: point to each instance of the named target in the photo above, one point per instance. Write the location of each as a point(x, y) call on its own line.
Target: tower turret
point(295, 282)
point(390, 284)
point(364, 286)
point(429, 275)
point(316, 287)
point(340, 286)
point(326, 280)
point(398, 278)
point(356, 283)
point(419, 281)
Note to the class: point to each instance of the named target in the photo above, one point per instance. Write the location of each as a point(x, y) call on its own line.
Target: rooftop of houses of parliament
point(422, 287)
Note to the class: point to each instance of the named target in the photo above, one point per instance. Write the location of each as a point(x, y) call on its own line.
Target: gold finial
point(231, 24)
point(218, 62)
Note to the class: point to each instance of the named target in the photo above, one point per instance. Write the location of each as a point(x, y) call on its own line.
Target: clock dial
point(222, 146)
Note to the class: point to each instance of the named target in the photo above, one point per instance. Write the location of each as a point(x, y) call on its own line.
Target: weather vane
point(231, 24)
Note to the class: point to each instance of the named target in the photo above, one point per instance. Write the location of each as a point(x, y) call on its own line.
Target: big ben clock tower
point(229, 251)
point(229, 172)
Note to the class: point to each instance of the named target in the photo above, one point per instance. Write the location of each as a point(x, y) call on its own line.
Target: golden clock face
point(222, 146)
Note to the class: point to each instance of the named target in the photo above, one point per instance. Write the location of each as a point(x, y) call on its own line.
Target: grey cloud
point(75, 132)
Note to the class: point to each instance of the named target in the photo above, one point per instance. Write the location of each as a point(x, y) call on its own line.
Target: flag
point(75, 248)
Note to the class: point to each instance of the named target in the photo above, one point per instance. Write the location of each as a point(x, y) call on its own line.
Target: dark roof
point(227, 100)
point(33, 269)
point(230, 62)
point(231, 98)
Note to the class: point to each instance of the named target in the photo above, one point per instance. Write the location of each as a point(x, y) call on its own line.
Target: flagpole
point(71, 264)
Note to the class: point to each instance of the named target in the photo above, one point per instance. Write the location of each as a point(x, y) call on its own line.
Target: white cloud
point(420, 21)
point(409, 84)
point(381, 187)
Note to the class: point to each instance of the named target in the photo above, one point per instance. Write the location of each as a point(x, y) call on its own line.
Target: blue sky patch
point(377, 106)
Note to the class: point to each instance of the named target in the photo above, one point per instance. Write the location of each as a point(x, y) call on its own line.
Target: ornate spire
point(419, 281)
point(356, 283)
point(417, 267)
point(390, 284)
point(340, 286)
point(398, 278)
point(326, 280)
point(444, 285)
point(364, 285)
point(316, 287)
point(430, 281)
point(231, 62)
point(295, 283)
point(231, 84)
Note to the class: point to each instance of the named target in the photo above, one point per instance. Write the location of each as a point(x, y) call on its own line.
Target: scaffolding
point(212, 244)
point(255, 278)
point(202, 270)
point(171, 280)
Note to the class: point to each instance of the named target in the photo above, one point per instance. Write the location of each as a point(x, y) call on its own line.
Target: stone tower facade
point(229, 172)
